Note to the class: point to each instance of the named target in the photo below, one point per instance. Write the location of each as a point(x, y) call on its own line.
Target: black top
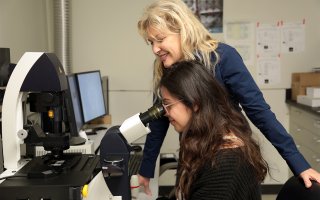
point(231, 178)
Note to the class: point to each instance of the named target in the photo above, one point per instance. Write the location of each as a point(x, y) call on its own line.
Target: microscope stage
point(47, 180)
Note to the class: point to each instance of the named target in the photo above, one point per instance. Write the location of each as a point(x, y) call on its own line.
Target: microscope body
point(114, 160)
point(115, 150)
point(41, 76)
point(35, 72)
point(53, 136)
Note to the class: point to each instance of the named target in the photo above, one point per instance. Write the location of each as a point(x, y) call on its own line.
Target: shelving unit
point(304, 127)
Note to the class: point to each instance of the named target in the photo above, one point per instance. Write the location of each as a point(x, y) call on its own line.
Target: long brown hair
point(214, 118)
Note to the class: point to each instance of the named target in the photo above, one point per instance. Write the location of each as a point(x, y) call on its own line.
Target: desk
point(304, 126)
point(97, 138)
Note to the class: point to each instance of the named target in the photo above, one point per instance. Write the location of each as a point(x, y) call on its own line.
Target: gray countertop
point(313, 110)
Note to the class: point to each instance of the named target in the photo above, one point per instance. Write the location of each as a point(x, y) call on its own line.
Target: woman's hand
point(145, 182)
point(309, 175)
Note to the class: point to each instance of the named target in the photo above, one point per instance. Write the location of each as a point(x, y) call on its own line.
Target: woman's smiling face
point(165, 46)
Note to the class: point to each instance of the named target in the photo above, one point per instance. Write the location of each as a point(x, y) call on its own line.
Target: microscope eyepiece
point(155, 112)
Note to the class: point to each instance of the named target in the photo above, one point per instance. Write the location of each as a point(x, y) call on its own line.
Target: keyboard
point(134, 163)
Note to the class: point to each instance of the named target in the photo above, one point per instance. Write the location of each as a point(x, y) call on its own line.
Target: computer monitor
point(91, 95)
point(73, 106)
point(4, 66)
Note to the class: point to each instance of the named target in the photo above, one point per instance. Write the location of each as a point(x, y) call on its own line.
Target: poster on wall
point(293, 37)
point(240, 34)
point(210, 13)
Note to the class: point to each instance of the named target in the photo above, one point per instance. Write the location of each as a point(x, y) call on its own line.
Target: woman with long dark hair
point(219, 159)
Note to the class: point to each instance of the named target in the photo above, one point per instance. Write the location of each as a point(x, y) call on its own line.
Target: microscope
point(39, 79)
point(36, 75)
point(53, 134)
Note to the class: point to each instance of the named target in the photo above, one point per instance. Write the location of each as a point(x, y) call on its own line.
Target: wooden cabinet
point(304, 127)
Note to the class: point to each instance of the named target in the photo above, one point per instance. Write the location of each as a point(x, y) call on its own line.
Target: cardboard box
point(300, 81)
point(297, 89)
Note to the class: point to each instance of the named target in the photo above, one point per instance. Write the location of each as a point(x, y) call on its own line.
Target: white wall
point(105, 37)
point(273, 11)
point(23, 27)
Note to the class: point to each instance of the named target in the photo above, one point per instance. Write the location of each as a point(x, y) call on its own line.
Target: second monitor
point(91, 95)
point(84, 100)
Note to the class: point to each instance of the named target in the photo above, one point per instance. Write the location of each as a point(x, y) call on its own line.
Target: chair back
point(294, 189)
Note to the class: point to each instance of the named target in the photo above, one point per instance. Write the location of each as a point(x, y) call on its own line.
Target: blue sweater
point(231, 72)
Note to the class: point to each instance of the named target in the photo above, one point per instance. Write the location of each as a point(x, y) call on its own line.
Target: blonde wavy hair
point(174, 17)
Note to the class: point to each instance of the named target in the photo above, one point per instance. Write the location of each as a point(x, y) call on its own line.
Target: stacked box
point(313, 92)
point(300, 81)
point(308, 101)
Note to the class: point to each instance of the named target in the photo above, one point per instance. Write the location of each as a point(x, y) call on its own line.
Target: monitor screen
point(74, 110)
point(91, 95)
point(4, 66)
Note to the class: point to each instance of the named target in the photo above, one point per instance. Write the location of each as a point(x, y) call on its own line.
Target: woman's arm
point(153, 145)
point(237, 79)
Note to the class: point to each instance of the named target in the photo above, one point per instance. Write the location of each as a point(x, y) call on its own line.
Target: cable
point(13, 176)
point(97, 150)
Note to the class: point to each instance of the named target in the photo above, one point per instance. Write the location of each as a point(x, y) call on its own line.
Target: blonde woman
point(175, 34)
